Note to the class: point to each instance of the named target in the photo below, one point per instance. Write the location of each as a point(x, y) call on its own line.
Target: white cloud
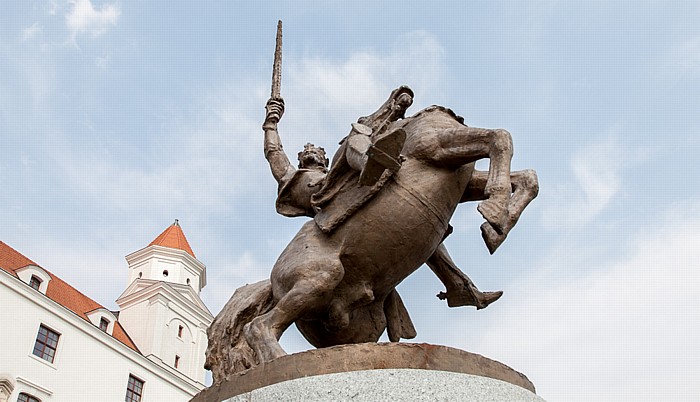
point(102, 61)
point(625, 330)
point(31, 31)
point(597, 171)
point(226, 276)
point(687, 54)
point(83, 17)
point(219, 145)
point(324, 96)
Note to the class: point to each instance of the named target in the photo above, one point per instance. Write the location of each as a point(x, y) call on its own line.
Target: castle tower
point(161, 309)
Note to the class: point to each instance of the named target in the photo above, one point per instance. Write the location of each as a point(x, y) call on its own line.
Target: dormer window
point(179, 331)
point(35, 282)
point(102, 319)
point(34, 276)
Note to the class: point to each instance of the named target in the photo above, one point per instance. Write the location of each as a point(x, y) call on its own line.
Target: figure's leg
point(525, 188)
point(311, 290)
point(462, 145)
point(461, 291)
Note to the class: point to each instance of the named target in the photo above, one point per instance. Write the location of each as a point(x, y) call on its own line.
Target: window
point(104, 323)
point(35, 282)
point(177, 361)
point(165, 273)
point(134, 390)
point(179, 331)
point(26, 398)
point(46, 343)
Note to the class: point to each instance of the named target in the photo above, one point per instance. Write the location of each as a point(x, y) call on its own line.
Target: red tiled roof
point(59, 291)
point(173, 237)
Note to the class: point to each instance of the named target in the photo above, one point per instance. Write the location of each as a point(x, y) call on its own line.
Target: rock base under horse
point(402, 359)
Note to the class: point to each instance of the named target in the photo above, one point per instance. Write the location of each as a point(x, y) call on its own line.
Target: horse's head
point(393, 109)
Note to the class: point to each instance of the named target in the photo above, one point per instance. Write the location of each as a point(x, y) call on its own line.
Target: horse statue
point(338, 285)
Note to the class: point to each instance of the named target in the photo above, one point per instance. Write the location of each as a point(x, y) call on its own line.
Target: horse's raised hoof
point(495, 211)
point(261, 339)
point(491, 238)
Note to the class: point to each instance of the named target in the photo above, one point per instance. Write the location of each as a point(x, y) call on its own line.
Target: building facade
point(57, 344)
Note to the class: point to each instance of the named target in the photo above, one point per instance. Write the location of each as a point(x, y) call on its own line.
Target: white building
point(57, 344)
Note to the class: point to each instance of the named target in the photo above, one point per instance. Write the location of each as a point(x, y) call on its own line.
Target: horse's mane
point(437, 108)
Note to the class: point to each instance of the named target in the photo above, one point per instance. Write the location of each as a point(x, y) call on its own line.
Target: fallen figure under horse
point(380, 212)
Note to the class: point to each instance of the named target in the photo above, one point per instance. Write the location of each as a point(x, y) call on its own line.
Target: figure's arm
point(274, 153)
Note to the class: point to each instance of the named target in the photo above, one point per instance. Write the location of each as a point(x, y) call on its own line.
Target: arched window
point(27, 398)
point(35, 282)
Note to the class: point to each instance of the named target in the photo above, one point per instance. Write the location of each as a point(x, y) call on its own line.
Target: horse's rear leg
point(311, 290)
point(459, 146)
point(525, 188)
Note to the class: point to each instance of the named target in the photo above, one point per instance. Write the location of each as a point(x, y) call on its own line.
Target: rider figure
point(368, 149)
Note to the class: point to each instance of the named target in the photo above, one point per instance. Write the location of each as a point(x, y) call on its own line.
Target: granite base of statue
point(376, 372)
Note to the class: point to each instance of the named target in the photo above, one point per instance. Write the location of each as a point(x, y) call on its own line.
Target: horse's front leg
point(525, 188)
point(459, 146)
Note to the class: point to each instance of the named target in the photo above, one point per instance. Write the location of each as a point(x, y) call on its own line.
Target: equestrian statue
point(379, 212)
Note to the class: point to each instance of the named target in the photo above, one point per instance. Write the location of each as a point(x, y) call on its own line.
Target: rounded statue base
point(376, 372)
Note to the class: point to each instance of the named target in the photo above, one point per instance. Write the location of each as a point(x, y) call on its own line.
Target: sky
point(116, 118)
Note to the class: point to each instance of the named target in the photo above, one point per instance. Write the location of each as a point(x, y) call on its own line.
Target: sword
point(277, 66)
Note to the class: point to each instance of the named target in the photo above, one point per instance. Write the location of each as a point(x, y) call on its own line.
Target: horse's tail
point(228, 352)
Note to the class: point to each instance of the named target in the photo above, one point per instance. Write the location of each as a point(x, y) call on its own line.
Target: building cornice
point(172, 253)
point(147, 289)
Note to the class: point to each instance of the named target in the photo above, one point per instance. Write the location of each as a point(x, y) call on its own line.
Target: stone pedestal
point(376, 372)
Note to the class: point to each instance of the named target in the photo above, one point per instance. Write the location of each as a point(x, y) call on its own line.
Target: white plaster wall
point(89, 364)
point(132, 320)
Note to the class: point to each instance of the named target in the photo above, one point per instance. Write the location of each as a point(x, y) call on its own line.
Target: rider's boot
point(470, 296)
point(384, 153)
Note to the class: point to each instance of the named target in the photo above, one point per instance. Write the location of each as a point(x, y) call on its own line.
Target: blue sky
point(118, 117)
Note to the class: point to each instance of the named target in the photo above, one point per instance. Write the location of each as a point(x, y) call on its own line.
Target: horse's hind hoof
point(495, 212)
point(491, 237)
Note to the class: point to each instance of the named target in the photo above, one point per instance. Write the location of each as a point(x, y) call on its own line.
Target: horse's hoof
point(495, 212)
point(491, 238)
